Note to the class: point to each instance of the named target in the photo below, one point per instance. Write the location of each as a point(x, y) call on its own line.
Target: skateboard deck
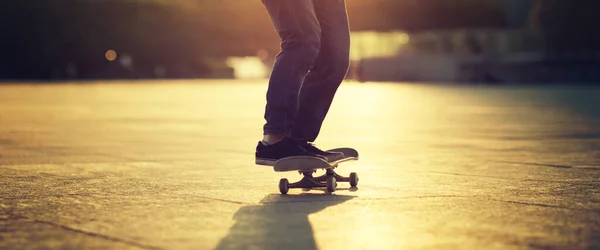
point(308, 165)
point(300, 163)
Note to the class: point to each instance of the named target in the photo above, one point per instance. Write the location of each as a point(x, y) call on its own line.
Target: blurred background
point(461, 41)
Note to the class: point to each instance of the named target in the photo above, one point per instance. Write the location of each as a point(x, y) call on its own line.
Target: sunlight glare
point(248, 67)
point(366, 44)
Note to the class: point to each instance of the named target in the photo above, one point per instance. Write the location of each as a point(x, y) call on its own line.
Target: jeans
point(313, 62)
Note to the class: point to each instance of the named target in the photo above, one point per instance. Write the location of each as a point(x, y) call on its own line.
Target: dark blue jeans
point(313, 62)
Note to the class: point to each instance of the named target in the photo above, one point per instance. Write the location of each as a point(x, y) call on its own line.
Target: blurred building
point(527, 50)
point(393, 40)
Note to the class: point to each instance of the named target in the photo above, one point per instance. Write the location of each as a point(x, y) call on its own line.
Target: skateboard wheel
point(284, 186)
point(353, 179)
point(331, 184)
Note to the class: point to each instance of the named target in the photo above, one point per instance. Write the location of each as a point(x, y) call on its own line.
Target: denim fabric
point(314, 60)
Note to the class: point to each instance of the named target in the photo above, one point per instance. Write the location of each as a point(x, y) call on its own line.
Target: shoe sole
point(265, 162)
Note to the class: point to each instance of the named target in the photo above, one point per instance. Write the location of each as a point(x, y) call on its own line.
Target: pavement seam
point(590, 167)
point(224, 200)
point(505, 178)
point(102, 236)
point(546, 205)
point(92, 234)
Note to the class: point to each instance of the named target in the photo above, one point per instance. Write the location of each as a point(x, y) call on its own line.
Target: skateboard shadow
point(279, 222)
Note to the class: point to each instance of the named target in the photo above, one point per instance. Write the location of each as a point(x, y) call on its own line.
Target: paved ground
point(169, 165)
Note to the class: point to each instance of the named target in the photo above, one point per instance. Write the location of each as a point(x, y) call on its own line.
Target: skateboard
point(307, 165)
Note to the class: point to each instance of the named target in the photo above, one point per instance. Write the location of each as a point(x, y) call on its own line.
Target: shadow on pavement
point(279, 222)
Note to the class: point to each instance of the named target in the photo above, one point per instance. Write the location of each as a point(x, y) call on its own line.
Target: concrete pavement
point(169, 165)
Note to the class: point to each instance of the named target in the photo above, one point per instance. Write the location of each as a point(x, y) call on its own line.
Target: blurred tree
point(518, 12)
point(50, 35)
point(569, 25)
point(188, 38)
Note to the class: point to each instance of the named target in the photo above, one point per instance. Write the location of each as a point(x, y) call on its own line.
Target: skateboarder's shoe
point(331, 156)
point(269, 154)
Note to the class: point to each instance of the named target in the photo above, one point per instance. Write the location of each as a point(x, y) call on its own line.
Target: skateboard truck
point(328, 180)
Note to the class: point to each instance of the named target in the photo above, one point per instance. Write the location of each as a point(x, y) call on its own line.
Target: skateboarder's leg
point(328, 71)
point(297, 25)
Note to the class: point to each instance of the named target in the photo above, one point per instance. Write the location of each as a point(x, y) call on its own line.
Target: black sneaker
point(311, 148)
point(268, 154)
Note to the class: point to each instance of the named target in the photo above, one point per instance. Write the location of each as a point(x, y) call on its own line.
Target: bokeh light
point(111, 55)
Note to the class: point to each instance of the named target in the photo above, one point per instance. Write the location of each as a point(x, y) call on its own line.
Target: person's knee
point(306, 44)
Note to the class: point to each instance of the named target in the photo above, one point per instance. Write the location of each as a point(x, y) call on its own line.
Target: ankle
point(270, 139)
